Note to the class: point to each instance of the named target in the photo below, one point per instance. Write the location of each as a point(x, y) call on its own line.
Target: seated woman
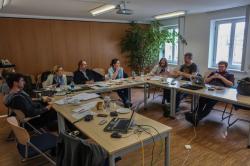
point(162, 69)
point(117, 72)
point(57, 78)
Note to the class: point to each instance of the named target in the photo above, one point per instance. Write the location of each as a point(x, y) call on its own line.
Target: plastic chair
point(32, 146)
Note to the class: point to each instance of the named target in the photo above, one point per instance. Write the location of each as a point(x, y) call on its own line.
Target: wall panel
point(36, 45)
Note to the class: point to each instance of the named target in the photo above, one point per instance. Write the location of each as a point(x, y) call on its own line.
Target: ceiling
point(144, 10)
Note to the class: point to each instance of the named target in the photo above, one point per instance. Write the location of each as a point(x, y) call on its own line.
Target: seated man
point(83, 75)
point(18, 99)
point(217, 78)
point(187, 70)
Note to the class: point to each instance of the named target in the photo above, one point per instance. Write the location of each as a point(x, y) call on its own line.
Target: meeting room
point(124, 83)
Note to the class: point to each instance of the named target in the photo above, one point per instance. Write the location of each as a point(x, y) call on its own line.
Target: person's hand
point(178, 73)
point(220, 76)
point(49, 107)
point(117, 69)
point(46, 99)
point(90, 82)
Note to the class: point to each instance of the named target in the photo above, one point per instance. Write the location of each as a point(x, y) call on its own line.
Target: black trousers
point(204, 107)
point(123, 94)
point(167, 96)
point(47, 119)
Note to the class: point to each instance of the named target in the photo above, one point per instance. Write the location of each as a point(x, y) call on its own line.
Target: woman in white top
point(57, 78)
point(162, 69)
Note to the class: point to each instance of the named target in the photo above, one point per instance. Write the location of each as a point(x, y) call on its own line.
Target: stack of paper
point(79, 97)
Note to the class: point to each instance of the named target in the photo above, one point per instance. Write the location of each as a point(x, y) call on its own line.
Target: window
point(228, 42)
point(170, 50)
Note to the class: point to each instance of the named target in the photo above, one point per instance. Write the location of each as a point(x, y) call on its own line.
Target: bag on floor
point(243, 87)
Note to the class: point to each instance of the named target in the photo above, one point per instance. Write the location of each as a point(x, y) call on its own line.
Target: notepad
point(79, 97)
point(85, 107)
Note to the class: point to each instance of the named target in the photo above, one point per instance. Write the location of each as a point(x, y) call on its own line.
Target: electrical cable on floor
point(142, 149)
point(186, 158)
point(195, 134)
point(152, 153)
point(161, 140)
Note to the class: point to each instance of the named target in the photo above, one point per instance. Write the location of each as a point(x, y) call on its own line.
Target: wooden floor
point(211, 146)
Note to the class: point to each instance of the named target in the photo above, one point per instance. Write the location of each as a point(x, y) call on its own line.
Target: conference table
point(115, 147)
point(227, 95)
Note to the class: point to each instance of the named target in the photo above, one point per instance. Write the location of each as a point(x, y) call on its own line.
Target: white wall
point(197, 32)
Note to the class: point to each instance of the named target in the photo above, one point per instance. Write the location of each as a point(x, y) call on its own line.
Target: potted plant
point(142, 44)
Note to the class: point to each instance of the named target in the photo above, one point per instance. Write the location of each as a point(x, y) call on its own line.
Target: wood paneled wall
point(37, 45)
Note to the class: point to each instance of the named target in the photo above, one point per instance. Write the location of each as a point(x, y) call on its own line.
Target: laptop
point(197, 83)
point(120, 124)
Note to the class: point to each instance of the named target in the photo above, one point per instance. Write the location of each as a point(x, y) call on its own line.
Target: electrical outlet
point(248, 66)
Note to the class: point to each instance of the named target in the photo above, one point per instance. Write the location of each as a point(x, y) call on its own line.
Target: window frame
point(162, 52)
point(233, 22)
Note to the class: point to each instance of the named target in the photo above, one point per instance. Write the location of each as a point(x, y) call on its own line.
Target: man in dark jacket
point(19, 99)
point(83, 75)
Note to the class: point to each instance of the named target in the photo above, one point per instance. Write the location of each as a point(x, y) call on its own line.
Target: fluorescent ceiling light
point(169, 15)
point(102, 9)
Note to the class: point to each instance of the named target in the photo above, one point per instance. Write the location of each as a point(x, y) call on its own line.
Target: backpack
point(243, 87)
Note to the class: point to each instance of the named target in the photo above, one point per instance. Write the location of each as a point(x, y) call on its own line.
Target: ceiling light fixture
point(170, 15)
point(102, 9)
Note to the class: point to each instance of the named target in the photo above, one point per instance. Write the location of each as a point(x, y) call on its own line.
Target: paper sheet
point(85, 107)
point(79, 97)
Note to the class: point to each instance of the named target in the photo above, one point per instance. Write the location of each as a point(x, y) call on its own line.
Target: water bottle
point(72, 85)
point(133, 74)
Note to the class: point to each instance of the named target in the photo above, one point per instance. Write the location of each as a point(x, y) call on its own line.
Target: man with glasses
point(222, 78)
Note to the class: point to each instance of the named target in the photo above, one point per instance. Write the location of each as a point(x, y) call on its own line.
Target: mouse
point(114, 113)
point(116, 135)
point(88, 118)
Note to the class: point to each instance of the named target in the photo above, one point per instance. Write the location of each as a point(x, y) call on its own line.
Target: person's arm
point(228, 83)
point(209, 78)
point(77, 78)
point(194, 69)
point(49, 81)
point(153, 71)
point(19, 102)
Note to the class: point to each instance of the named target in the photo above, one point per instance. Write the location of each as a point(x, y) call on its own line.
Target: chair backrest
point(68, 73)
point(19, 115)
point(100, 71)
point(21, 134)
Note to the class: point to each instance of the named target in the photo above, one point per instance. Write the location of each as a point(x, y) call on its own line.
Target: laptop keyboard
point(121, 124)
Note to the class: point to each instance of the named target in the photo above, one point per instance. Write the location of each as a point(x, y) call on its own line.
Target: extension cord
point(188, 147)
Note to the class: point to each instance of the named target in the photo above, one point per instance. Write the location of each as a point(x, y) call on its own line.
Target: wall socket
point(248, 67)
